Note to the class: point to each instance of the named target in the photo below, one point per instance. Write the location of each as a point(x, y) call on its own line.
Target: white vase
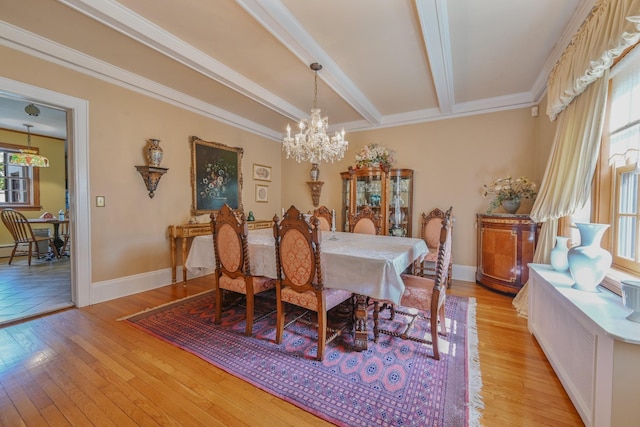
point(558, 257)
point(588, 262)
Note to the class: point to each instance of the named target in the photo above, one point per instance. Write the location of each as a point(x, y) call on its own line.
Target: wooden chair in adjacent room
point(300, 279)
point(366, 221)
point(424, 294)
point(65, 235)
point(232, 263)
point(325, 216)
point(430, 227)
point(25, 241)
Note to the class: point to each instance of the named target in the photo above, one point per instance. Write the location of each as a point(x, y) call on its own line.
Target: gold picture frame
point(261, 172)
point(262, 193)
point(216, 176)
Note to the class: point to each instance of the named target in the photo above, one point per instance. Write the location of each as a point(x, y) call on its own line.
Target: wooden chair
point(300, 275)
point(325, 216)
point(23, 236)
point(232, 263)
point(366, 221)
point(425, 295)
point(430, 227)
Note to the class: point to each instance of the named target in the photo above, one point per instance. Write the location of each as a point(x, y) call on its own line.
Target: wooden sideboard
point(186, 231)
point(506, 244)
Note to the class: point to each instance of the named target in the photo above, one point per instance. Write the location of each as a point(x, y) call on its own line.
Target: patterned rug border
point(158, 307)
point(474, 405)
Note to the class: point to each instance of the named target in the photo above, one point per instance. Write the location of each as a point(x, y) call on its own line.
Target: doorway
point(76, 110)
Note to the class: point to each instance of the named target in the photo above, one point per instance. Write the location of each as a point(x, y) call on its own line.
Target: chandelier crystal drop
point(312, 143)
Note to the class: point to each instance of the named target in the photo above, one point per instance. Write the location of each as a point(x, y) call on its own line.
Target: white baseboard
point(466, 273)
point(130, 285)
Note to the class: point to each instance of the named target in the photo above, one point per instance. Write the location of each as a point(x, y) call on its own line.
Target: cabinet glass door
point(400, 200)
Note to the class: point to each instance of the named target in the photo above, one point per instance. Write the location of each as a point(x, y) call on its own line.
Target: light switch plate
point(100, 201)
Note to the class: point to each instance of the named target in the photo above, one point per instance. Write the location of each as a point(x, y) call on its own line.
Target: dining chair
point(325, 216)
point(366, 221)
point(423, 295)
point(232, 271)
point(300, 281)
point(23, 236)
point(430, 226)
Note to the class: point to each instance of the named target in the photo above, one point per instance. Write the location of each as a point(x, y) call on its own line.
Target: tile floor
point(27, 291)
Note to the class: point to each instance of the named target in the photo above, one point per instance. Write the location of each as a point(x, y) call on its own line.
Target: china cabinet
point(506, 244)
point(388, 193)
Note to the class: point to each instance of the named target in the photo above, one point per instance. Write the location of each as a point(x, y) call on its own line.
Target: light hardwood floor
point(82, 367)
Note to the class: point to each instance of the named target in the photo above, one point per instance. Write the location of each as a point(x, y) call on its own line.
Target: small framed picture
point(261, 172)
point(262, 193)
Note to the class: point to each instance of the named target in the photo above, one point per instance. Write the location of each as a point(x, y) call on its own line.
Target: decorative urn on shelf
point(154, 153)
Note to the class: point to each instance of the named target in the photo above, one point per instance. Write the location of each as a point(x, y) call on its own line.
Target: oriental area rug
point(393, 383)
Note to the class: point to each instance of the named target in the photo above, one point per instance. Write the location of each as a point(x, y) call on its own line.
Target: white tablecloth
point(364, 264)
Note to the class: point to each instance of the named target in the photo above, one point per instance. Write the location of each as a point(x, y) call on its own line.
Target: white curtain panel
point(613, 26)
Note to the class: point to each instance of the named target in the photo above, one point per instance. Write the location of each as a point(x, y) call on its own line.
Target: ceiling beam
point(279, 21)
point(434, 22)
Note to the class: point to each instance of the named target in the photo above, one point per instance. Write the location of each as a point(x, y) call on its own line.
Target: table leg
point(57, 241)
point(172, 240)
point(184, 261)
point(360, 333)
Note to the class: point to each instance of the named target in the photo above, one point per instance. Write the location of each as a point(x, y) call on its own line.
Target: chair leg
point(279, 318)
point(322, 333)
point(218, 319)
point(13, 252)
point(434, 335)
point(30, 252)
point(443, 321)
point(249, 316)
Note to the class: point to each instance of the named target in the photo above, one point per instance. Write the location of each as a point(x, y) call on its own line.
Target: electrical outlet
point(100, 201)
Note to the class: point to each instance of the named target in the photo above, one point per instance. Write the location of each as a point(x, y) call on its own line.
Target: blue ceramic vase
point(558, 257)
point(588, 262)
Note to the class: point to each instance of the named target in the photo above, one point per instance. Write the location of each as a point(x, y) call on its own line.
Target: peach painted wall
point(451, 158)
point(129, 235)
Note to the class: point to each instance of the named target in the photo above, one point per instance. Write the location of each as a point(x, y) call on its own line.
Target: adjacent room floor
point(28, 291)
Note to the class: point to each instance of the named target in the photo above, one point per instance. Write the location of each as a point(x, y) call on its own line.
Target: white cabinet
point(593, 349)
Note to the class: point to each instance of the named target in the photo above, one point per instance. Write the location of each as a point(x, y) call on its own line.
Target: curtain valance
point(612, 26)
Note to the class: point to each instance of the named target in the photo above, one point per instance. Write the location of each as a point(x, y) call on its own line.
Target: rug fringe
point(162, 305)
point(476, 404)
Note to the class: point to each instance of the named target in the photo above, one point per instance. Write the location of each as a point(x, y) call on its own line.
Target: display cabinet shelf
point(388, 193)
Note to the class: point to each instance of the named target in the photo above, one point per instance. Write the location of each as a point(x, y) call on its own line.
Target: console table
point(592, 348)
point(186, 231)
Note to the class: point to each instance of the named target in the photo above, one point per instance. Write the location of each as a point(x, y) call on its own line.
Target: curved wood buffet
point(506, 244)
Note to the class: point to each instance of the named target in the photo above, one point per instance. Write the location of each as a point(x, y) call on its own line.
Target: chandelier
point(28, 157)
point(312, 142)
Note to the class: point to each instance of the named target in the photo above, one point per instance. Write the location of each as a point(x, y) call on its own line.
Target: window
point(19, 185)
point(622, 152)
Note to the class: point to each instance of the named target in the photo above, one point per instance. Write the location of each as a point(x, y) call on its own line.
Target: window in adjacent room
point(19, 185)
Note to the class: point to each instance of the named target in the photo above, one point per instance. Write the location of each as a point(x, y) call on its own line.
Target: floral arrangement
point(509, 189)
point(217, 176)
point(374, 156)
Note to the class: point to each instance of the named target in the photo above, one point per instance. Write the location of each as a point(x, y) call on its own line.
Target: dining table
point(367, 265)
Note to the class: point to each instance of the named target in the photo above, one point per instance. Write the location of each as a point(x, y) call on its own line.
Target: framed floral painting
point(216, 176)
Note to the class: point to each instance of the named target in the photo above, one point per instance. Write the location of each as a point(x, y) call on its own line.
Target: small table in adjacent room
point(57, 241)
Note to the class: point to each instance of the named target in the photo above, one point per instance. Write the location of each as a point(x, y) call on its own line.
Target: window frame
point(33, 180)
